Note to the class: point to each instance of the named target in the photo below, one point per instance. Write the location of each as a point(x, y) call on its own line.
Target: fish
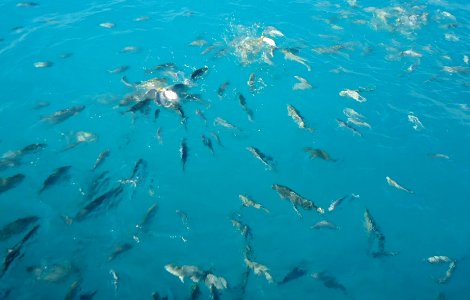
point(465, 59)
point(130, 49)
point(441, 296)
point(88, 296)
point(374, 233)
point(288, 55)
point(208, 49)
point(73, 290)
point(343, 124)
point(359, 122)
point(7, 183)
point(297, 117)
point(244, 229)
point(105, 200)
point(120, 249)
point(208, 143)
point(64, 114)
point(259, 269)
point(437, 259)
point(156, 296)
point(195, 292)
point(140, 106)
point(329, 281)
point(251, 203)
point(411, 53)
point(183, 152)
point(272, 31)
point(225, 123)
point(214, 294)
point(197, 74)
point(201, 115)
point(213, 281)
point(296, 199)
point(98, 182)
point(314, 153)
point(295, 273)
point(193, 272)
point(337, 202)
point(107, 25)
point(27, 4)
point(15, 252)
point(456, 70)
point(440, 155)
point(81, 137)
point(55, 177)
point(101, 158)
point(43, 64)
point(184, 218)
point(448, 274)
point(303, 84)
point(198, 43)
point(251, 82)
point(156, 114)
point(159, 135)
point(216, 138)
point(141, 19)
point(52, 272)
point(324, 224)
point(395, 184)
point(222, 88)
point(119, 70)
point(265, 159)
point(115, 277)
point(33, 148)
point(149, 215)
point(16, 227)
point(245, 108)
point(353, 94)
point(417, 125)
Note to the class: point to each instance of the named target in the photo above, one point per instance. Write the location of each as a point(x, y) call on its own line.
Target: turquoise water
point(431, 161)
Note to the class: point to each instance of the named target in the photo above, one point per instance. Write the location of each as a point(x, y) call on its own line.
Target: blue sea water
point(432, 82)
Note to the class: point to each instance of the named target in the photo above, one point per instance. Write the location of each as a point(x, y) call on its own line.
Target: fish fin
point(181, 278)
point(296, 210)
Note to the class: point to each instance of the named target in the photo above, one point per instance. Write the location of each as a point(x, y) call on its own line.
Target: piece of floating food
point(395, 184)
point(297, 117)
point(303, 84)
point(353, 94)
point(108, 25)
point(43, 64)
